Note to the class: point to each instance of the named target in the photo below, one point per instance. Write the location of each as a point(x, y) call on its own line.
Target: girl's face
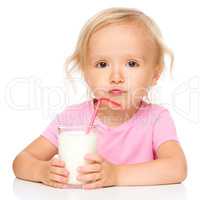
point(121, 56)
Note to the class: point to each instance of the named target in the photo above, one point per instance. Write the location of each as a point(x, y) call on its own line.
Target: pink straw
point(96, 110)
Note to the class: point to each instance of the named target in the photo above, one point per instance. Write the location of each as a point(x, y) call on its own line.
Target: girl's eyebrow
point(102, 56)
point(96, 56)
point(140, 58)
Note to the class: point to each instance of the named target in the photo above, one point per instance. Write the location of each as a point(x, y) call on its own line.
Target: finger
point(89, 177)
point(90, 168)
point(58, 178)
point(89, 161)
point(59, 171)
point(56, 162)
point(94, 157)
point(93, 185)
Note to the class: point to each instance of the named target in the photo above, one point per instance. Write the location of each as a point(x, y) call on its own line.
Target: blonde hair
point(113, 16)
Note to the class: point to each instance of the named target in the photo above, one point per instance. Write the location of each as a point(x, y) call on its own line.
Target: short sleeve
point(72, 116)
point(164, 129)
point(51, 131)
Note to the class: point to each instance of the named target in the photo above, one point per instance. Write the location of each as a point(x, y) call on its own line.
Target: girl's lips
point(116, 92)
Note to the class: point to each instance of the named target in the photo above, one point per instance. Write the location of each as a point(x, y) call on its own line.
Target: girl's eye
point(101, 64)
point(132, 63)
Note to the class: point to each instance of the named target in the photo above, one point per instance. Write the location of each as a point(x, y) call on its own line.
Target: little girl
point(120, 53)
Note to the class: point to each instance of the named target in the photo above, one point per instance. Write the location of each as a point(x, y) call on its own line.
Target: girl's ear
point(156, 75)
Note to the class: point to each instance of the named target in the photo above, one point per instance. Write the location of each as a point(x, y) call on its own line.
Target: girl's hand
point(97, 173)
point(55, 174)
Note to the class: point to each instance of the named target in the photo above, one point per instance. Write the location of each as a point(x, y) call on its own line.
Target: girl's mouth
point(116, 92)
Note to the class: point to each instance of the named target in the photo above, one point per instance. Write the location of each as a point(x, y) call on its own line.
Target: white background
point(37, 36)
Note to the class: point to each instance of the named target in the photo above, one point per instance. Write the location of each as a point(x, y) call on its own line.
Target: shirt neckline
point(120, 127)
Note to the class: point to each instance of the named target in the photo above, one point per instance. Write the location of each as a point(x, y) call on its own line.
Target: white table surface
point(28, 190)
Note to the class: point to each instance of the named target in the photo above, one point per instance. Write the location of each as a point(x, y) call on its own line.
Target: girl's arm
point(169, 168)
point(31, 161)
point(34, 164)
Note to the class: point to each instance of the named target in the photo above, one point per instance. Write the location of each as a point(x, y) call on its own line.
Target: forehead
point(121, 39)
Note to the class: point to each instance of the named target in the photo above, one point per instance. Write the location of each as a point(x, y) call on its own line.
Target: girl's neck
point(114, 117)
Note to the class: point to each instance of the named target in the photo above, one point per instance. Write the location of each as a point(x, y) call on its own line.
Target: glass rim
point(74, 128)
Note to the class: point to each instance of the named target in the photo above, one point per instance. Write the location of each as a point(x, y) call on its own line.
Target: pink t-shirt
point(134, 141)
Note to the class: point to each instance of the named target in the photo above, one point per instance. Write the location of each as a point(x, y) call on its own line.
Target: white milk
point(73, 146)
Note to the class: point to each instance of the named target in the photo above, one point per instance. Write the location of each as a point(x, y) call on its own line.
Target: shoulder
point(154, 108)
point(75, 114)
point(155, 111)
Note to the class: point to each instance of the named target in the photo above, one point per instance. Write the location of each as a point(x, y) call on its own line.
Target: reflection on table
point(25, 190)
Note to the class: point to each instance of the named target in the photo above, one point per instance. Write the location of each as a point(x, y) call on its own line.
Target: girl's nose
point(117, 76)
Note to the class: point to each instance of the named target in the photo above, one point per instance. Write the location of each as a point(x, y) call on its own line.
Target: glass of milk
point(74, 144)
